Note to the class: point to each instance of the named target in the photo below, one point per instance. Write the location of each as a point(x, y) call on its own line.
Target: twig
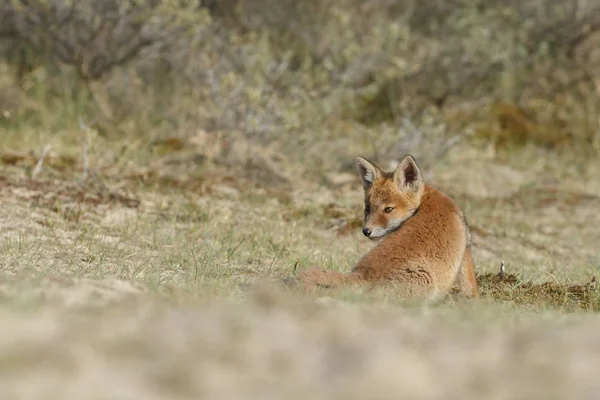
point(40, 163)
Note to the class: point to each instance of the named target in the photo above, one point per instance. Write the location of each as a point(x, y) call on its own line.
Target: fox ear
point(408, 175)
point(368, 172)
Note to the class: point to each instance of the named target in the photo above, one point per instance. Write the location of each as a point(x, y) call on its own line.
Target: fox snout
point(377, 224)
point(374, 231)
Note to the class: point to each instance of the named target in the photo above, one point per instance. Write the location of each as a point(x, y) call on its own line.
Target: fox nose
point(366, 232)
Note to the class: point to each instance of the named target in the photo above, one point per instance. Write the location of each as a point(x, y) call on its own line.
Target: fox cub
point(424, 248)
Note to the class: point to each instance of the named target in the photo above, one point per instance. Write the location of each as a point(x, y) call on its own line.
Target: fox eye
point(388, 209)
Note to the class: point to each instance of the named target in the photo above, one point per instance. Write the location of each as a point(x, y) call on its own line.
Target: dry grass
point(272, 347)
point(156, 278)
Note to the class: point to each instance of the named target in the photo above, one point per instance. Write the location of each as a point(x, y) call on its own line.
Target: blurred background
point(312, 83)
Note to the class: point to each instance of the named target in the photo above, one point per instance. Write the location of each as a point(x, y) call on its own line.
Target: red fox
point(424, 248)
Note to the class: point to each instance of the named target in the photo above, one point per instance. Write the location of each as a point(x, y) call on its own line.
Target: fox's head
point(390, 197)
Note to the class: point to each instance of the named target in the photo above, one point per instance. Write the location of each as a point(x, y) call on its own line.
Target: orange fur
point(424, 249)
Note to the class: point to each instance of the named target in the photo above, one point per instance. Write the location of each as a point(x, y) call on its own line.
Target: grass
point(156, 278)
